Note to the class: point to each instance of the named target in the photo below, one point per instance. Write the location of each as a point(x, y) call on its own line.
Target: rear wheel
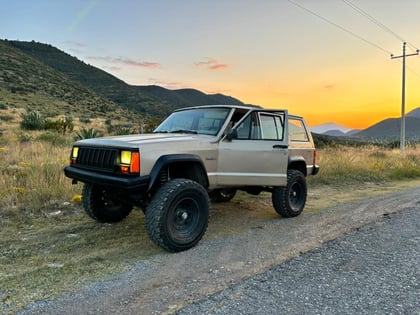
point(177, 216)
point(290, 200)
point(101, 206)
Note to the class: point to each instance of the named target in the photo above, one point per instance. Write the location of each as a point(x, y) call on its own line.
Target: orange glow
point(356, 98)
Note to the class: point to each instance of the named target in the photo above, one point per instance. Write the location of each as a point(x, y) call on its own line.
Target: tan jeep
point(196, 154)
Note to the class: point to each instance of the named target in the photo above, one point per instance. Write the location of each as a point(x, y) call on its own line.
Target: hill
point(330, 127)
point(390, 129)
point(414, 113)
point(30, 84)
point(149, 100)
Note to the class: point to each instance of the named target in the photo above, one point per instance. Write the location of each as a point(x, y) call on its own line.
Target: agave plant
point(87, 134)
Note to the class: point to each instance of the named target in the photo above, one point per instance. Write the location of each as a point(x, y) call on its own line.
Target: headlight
point(130, 162)
point(74, 154)
point(126, 157)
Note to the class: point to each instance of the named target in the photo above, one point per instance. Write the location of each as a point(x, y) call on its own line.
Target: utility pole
point(402, 136)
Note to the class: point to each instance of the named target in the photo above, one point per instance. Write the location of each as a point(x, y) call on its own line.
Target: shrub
point(85, 120)
point(3, 106)
point(87, 134)
point(23, 137)
point(122, 131)
point(32, 121)
point(61, 126)
point(6, 117)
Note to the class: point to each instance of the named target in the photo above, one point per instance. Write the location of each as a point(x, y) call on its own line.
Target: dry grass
point(350, 165)
point(48, 246)
point(32, 179)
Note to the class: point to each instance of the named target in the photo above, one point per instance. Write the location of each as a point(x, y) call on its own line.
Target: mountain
point(414, 113)
point(150, 100)
point(335, 133)
point(391, 128)
point(330, 127)
point(30, 84)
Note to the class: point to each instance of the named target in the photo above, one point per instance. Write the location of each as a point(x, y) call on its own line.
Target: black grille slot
point(104, 159)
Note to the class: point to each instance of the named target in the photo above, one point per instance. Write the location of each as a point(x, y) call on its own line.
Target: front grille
point(99, 158)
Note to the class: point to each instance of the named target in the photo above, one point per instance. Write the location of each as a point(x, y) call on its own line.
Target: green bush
point(6, 117)
point(32, 121)
point(122, 131)
point(87, 134)
point(61, 126)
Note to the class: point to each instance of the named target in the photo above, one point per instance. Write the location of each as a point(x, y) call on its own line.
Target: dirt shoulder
point(245, 237)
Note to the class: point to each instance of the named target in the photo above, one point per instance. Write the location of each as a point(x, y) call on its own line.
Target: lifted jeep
point(194, 155)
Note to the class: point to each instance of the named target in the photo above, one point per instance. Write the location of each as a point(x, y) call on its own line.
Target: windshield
point(207, 121)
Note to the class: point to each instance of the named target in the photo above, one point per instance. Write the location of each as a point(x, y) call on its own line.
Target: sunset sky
point(328, 60)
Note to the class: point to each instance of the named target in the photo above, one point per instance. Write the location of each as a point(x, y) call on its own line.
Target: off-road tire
point(290, 200)
point(222, 195)
point(102, 207)
point(178, 214)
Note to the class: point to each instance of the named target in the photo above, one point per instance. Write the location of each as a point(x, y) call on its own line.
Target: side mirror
point(232, 134)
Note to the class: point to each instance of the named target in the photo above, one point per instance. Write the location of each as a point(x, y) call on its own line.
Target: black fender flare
point(297, 160)
point(166, 160)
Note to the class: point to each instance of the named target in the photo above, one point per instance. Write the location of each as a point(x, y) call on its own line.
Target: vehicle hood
point(134, 141)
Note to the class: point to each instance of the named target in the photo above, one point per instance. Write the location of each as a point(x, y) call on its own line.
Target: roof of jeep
point(245, 106)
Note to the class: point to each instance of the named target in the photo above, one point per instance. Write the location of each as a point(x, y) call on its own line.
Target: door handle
point(280, 146)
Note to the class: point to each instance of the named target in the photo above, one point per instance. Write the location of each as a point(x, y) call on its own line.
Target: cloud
point(217, 91)
point(126, 62)
point(219, 66)
point(167, 84)
point(113, 68)
point(329, 86)
point(211, 64)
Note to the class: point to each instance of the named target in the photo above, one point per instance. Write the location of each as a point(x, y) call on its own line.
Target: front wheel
point(101, 206)
point(290, 200)
point(177, 216)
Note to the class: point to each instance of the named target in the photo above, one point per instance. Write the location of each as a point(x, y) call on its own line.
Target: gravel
point(373, 270)
point(302, 265)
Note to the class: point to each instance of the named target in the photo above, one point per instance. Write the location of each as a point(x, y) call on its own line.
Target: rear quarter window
point(297, 130)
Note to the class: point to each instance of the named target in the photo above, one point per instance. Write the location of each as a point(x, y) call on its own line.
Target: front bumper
point(137, 185)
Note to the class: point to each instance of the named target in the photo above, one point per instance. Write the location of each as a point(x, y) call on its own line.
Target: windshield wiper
point(160, 131)
point(184, 131)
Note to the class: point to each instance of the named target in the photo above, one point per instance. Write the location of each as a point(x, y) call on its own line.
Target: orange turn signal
point(135, 162)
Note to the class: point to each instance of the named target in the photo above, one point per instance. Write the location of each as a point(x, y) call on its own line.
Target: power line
point(377, 22)
point(340, 27)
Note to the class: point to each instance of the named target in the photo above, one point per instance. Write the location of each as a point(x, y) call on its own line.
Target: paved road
point(373, 270)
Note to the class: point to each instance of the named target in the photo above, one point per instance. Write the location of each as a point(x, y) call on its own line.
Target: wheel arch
point(297, 163)
point(187, 166)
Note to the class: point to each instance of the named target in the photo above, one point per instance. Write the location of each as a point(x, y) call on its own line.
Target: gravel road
point(373, 270)
point(289, 265)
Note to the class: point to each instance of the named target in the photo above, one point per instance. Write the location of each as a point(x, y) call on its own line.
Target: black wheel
point(102, 207)
point(178, 214)
point(222, 195)
point(289, 201)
